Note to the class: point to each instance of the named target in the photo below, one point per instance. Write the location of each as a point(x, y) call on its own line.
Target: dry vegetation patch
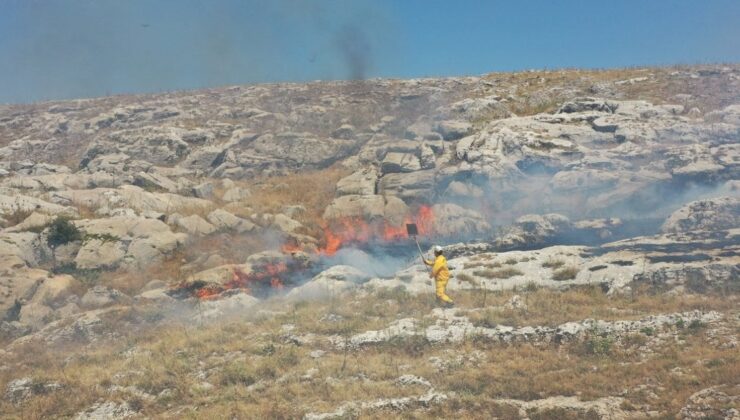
point(265, 365)
point(553, 264)
point(565, 273)
point(503, 273)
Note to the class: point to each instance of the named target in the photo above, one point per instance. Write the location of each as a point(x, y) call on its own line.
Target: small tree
point(61, 231)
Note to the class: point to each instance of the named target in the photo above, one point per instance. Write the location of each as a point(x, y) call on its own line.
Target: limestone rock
point(332, 281)
point(532, 230)
point(400, 162)
point(195, 225)
point(101, 296)
point(453, 130)
point(361, 182)
point(451, 220)
point(100, 254)
point(367, 207)
point(236, 194)
point(711, 214)
point(55, 291)
point(222, 219)
point(408, 187)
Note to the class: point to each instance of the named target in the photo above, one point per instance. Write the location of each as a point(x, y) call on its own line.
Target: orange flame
point(357, 230)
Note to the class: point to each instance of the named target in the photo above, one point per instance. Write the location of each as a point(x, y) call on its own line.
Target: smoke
point(354, 47)
point(78, 48)
point(375, 264)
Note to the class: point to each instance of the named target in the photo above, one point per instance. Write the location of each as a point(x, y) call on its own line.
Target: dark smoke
point(354, 47)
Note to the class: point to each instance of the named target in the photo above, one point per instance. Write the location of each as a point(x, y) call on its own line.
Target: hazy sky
point(51, 49)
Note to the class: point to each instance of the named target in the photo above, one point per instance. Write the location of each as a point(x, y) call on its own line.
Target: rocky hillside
point(242, 251)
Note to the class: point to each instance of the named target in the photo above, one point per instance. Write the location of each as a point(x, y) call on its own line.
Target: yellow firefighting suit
point(441, 275)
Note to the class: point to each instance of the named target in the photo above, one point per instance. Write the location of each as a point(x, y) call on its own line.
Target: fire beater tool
point(412, 230)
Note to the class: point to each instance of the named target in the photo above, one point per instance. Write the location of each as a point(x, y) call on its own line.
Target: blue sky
point(54, 49)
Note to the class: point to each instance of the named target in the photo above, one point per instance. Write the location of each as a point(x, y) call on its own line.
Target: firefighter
point(441, 275)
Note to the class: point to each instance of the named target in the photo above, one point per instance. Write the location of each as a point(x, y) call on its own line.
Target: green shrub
point(695, 325)
point(647, 331)
point(62, 231)
point(103, 237)
point(598, 344)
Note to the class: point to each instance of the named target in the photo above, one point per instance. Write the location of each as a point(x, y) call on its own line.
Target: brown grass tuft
point(565, 273)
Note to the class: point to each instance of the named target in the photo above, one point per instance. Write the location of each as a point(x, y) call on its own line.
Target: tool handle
point(421, 254)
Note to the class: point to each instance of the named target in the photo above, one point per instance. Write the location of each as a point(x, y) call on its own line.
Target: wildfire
point(357, 230)
point(268, 275)
point(340, 233)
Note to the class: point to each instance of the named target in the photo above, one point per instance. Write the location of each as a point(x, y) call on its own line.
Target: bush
point(599, 345)
point(565, 273)
point(648, 331)
point(553, 263)
point(62, 231)
point(695, 325)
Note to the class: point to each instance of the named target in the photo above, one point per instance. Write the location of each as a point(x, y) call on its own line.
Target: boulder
point(361, 182)
point(22, 203)
point(588, 104)
point(584, 179)
point(155, 182)
point(36, 221)
point(719, 213)
point(100, 254)
point(204, 190)
point(426, 157)
point(218, 275)
point(415, 186)
point(19, 390)
point(157, 145)
point(451, 220)
point(236, 194)
point(18, 283)
point(233, 305)
point(153, 285)
point(55, 291)
point(149, 240)
point(224, 220)
point(195, 225)
point(533, 230)
point(29, 246)
point(35, 315)
point(400, 162)
point(130, 197)
point(453, 130)
point(285, 224)
point(329, 282)
point(367, 207)
point(101, 296)
point(463, 190)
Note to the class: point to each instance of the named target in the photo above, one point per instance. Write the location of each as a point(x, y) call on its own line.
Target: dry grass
point(565, 273)
point(256, 372)
point(553, 263)
point(503, 273)
point(313, 190)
